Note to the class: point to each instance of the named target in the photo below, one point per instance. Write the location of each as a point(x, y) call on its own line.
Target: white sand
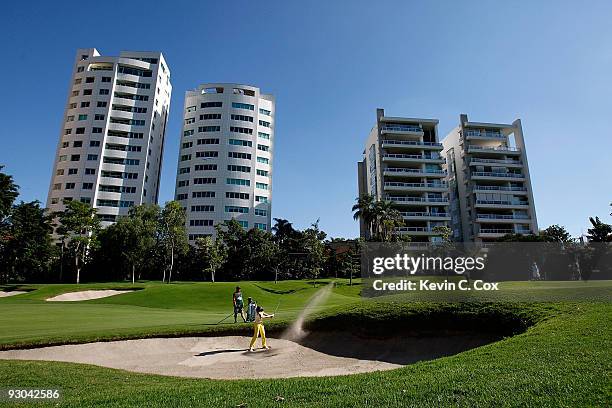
point(228, 357)
point(11, 293)
point(85, 295)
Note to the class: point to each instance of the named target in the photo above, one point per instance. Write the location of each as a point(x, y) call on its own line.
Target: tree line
point(150, 243)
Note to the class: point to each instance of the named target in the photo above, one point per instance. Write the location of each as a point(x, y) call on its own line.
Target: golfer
point(260, 315)
point(238, 305)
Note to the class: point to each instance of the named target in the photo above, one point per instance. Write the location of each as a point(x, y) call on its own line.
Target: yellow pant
point(259, 329)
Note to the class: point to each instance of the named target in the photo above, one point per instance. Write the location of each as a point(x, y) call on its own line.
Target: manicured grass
point(157, 309)
point(562, 359)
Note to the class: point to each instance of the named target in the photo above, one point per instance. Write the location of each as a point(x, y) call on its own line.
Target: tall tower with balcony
point(489, 181)
point(111, 141)
point(225, 158)
point(402, 164)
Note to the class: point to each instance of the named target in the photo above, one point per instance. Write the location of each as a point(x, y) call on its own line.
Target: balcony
point(399, 186)
point(417, 200)
point(401, 129)
point(412, 158)
point(415, 230)
point(425, 216)
point(493, 150)
point(407, 172)
point(494, 232)
point(502, 218)
point(491, 175)
point(516, 190)
point(411, 144)
point(501, 204)
point(505, 162)
point(483, 135)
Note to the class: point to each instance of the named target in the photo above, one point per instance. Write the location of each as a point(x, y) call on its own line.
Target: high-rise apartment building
point(489, 181)
point(225, 158)
point(112, 136)
point(402, 164)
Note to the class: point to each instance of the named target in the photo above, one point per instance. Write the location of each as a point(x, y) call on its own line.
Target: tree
point(173, 236)
point(443, 232)
point(600, 232)
point(28, 249)
point(364, 211)
point(315, 249)
point(212, 253)
point(8, 193)
point(555, 233)
point(78, 226)
point(387, 220)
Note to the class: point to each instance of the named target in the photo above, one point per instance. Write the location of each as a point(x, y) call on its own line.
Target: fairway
point(573, 337)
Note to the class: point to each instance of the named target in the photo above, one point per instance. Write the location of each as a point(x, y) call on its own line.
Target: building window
point(236, 209)
point(237, 129)
point(260, 212)
point(77, 143)
point(84, 104)
point(96, 130)
point(92, 157)
point(75, 157)
point(204, 167)
point(90, 171)
point(201, 223)
point(263, 160)
point(262, 172)
point(87, 186)
point(94, 143)
point(243, 169)
point(57, 186)
point(238, 182)
point(63, 158)
point(204, 180)
point(240, 196)
point(207, 153)
point(238, 142)
point(188, 132)
point(87, 92)
point(243, 118)
point(263, 148)
point(265, 112)
point(69, 186)
point(182, 196)
point(89, 80)
point(264, 123)
point(80, 69)
point(86, 200)
point(80, 131)
point(263, 135)
point(203, 129)
point(82, 117)
point(261, 226)
point(104, 91)
point(98, 116)
point(239, 105)
point(69, 118)
point(210, 105)
point(59, 172)
point(73, 171)
point(203, 194)
point(102, 104)
point(262, 186)
point(202, 208)
point(106, 79)
point(239, 155)
point(208, 141)
point(261, 199)
point(210, 116)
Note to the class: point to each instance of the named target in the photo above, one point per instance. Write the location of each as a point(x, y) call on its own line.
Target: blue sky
point(330, 64)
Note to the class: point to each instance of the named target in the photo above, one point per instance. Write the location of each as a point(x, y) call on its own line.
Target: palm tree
point(601, 232)
point(364, 211)
point(388, 218)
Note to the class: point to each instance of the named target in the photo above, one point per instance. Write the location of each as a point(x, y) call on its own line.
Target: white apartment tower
point(489, 181)
point(402, 164)
point(225, 158)
point(112, 136)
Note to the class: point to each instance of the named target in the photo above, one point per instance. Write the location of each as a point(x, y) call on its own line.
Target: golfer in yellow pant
point(259, 328)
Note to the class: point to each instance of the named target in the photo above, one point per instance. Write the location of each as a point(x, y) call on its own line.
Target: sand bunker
point(85, 295)
point(318, 354)
point(11, 293)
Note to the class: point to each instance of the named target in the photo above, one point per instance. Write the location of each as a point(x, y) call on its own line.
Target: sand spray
point(296, 332)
